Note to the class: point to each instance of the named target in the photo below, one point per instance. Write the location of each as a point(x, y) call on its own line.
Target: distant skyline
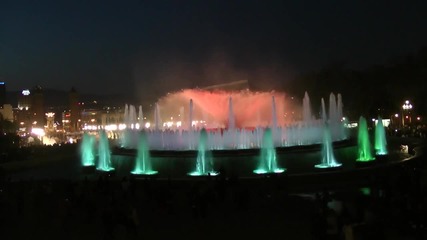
point(147, 48)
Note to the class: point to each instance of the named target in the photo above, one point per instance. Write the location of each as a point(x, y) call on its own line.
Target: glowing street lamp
point(407, 106)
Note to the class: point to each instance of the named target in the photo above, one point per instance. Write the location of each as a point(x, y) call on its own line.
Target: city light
point(50, 114)
point(26, 92)
point(407, 105)
point(38, 132)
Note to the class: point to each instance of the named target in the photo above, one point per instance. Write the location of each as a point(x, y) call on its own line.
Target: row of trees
point(377, 90)
point(9, 140)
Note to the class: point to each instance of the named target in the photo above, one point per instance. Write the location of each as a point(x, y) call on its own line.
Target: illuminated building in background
point(50, 122)
point(2, 94)
point(37, 107)
point(66, 120)
point(91, 119)
point(112, 117)
point(75, 112)
point(24, 100)
point(24, 114)
point(6, 112)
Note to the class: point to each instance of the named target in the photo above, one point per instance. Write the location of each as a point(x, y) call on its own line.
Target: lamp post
point(394, 120)
point(407, 106)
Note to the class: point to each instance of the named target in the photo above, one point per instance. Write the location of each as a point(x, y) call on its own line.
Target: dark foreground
point(390, 204)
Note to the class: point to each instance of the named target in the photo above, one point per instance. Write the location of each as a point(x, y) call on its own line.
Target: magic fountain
point(230, 123)
point(233, 121)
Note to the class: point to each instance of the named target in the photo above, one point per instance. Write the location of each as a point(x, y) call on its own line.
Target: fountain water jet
point(204, 164)
point(328, 158)
point(104, 154)
point(380, 139)
point(268, 158)
point(306, 113)
point(143, 161)
point(157, 117)
point(140, 118)
point(231, 122)
point(273, 114)
point(87, 150)
point(190, 121)
point(364, 144)
point(323, 113)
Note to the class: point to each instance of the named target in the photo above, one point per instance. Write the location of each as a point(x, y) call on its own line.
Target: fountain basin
point(233, 152)
point(88, 169)
point(365, 164)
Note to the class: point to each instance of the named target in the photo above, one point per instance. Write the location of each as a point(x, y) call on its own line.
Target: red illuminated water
point(251, 109)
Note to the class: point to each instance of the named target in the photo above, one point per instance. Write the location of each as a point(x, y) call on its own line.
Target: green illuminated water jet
point(143, 161)
point(364, 145)
point(268, 158)
point(328, 158)
point(87, 150)
point(104, 154)
point(380, 139)
point(204, 165)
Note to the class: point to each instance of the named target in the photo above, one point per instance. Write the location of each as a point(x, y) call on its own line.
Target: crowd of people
point(392, 204)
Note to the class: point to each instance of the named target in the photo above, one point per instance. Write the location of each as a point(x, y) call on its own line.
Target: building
point(91, 119)
point(75, 112)
point(2, 94)
point(50, 119)
point(6, 112)
point(37, 107)
point(24, 100)
point(23, 114)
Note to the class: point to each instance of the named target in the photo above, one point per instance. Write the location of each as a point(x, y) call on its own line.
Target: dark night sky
point(146, 48)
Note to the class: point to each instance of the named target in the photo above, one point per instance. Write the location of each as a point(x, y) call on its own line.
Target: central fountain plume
point(204, 164)
point(249, 109)
point(268, 158)
point(104, 154)
point(87, 148)
point(364, 144)
point(380, 139)
point(143, 161)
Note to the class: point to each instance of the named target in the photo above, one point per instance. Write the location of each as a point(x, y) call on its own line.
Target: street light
point(407, 105)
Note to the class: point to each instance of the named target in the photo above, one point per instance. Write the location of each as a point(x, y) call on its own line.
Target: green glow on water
point(262, 171)
point(380, 139)
point(204, 164)
point(329, 165)
point(87, 150)
point(197, 173)
point(366, 191)
point(328, 158)
point(104, 154)
point(364, 145)
point(143, 161)
point(268, 158)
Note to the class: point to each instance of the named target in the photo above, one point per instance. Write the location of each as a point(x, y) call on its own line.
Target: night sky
point(147, 48)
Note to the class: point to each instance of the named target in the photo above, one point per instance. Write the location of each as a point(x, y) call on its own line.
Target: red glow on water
point(250, 109)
